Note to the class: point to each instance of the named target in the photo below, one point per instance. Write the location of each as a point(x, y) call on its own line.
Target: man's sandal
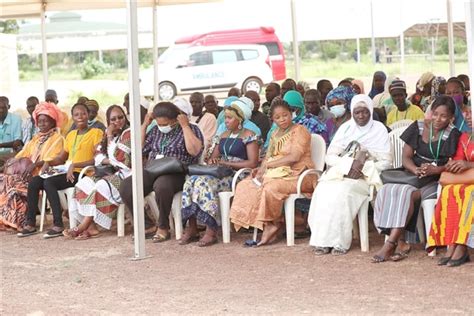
point(379, 259)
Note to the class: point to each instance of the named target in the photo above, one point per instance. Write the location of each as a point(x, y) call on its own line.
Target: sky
point(316, 20)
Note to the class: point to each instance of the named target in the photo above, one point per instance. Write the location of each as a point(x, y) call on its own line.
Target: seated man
point(403, 109)
point(28, 125)
point(10, 131)
point(206, 121)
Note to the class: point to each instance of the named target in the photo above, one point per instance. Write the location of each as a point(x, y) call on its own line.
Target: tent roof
point(435, 30)
point(13, 9)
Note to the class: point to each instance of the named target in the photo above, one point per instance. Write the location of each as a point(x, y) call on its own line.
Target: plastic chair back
point(318, 151)
point(397, 146)
point(400, 124)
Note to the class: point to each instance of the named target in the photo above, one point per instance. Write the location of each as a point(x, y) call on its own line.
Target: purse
point(403, 176)
point(212, 170)
point(351, 149)
point(101, 171)
point(165, 165)
point(466, 177)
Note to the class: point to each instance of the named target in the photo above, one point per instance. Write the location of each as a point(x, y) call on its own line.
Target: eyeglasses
point(117, 118)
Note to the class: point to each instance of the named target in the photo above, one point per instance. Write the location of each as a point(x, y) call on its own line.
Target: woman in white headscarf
point(346, 185)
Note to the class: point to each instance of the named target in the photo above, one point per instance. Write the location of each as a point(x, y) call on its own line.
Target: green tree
point(9, 27)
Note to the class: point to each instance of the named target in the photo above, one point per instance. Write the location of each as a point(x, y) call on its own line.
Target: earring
point(240, 126)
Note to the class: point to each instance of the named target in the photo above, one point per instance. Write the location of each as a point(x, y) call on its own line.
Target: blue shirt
point(10, 130)
point(460, 122)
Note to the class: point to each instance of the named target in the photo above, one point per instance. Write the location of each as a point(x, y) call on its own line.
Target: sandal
point(86, 235)
point(338, 251)
point(71, 233)
point(184, 241)
point(148, 235)
point(251, 243)
point(319, 251)
point(399, 256)
point(379, 259)
point(303, 234)
point(161, 238)
point(211, 242)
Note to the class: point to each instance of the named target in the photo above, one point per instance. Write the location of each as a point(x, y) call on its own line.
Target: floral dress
point(200, 193)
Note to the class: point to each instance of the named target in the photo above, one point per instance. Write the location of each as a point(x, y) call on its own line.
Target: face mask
point(90, 123)
point(338, 110)
point(458, 99)
point(165, 129)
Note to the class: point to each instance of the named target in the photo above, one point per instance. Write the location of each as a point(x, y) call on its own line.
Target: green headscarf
point(296, 102)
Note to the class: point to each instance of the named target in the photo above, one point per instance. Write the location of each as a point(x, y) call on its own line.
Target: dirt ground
point(97, 277)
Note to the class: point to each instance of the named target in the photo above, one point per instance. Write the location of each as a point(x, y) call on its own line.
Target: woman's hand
point(214, 161)
point(70, 174)
point(428, 169)
point(111, 129)
point(183, 120)
point(457, 166)
point(147, 121)
point(259, 173)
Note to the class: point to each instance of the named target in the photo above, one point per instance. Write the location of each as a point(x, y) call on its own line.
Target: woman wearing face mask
point(429, 145)
point(455, 89)
point(345, 186)
point(96, 199)
point(338, 101)
point(453, 220)
point(173, 136)
point(236, 148)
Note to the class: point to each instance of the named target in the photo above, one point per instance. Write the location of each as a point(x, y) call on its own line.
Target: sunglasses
point(117, 118)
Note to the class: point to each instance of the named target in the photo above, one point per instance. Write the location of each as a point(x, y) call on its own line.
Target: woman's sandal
point(399, 256)
point(160, 237)
point(72, 232)
point(443, 261)
point(190, 239)
point(379, 259)
point(202, 243)
point(86, 235)
point(338, 251)
point(319, 251)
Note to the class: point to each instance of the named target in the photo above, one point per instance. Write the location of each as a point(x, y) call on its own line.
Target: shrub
point(92, 67)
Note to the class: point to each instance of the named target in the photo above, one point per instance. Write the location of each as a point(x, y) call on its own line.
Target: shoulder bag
point(403, 176)
point(210, 170)
point(165, 165)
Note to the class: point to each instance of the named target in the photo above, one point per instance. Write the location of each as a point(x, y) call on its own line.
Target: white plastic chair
point(397, 146)
point(401, 124)
point(318, 154)
point(66, 195)
point(175, 215)
point(425, 217)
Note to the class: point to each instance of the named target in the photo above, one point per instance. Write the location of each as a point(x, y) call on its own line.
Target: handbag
point(403, 176)
point(207, 170)
point(466, 177)
point(351, 149)
point(165, 165)
point(101, 171)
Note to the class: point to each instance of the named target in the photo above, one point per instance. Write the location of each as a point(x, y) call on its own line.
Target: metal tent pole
point(296, 52)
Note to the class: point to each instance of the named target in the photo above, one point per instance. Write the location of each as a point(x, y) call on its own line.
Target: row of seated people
point(256, 203)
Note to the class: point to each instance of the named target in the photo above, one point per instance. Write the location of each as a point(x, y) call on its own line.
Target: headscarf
point(373, 136)
point(50, 109)
point(424, 79)
point(360, 84)
point(373, 91)
point(437, 81)
point(341, 92)
point(183, 105)
point(242, 108)
point(295, 100)
point(229, 100)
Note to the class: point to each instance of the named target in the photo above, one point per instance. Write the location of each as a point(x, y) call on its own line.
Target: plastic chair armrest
point(303, 175)
point(236, 177)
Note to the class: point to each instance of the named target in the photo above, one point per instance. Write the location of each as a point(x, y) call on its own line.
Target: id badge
point(434, 164)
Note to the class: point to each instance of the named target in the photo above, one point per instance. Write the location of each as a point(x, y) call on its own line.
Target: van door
point(225, 72)
point(193, 74)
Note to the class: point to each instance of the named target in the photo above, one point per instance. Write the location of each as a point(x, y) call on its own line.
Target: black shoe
point(460, 261)
point(443, 261)
point(26, 232)
point(52, 233)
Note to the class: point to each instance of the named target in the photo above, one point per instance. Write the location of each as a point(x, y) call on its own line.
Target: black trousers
point(164, 186)
point(51, 186)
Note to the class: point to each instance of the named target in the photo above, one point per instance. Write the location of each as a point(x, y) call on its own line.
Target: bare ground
point(97, 277)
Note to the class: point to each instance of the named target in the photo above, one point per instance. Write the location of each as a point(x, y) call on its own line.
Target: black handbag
point(165, 165)
point(101, 171)
point(403, 176)
point(213, 170)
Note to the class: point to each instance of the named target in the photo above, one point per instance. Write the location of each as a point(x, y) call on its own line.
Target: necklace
point(226, 154)
point(440, 137)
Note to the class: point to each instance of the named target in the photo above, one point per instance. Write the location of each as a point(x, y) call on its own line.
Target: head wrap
point(341, 92)
point(373, 136)
point(437, 81)
point(243, 107)
point(50, 109)
point(360, 84)
point(93, 103)
point(184, 106)
point(424, 79)
point(295, 100)
point(373, 91)
point(229, 100)
point(397, 84)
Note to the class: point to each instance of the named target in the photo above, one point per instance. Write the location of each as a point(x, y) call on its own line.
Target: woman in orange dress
point(259, 199)
point(453, 220)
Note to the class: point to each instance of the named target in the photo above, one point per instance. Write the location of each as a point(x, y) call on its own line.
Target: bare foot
point(270, 231)
point(387, 250)
point(208, 239)
point(189, 235)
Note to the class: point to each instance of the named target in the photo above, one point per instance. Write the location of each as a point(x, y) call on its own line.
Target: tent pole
point(469, 10)
point(155, 54)
point(44, 53)
point(358, 50)
point(450, 39)
point(402, 41)
point(374, 59)
point(296, 52)
point(137, 167)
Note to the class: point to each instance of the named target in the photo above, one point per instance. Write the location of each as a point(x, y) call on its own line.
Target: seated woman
point(453, 220)
point(429, 144)
point(173, 136)
point(338, 101)
point(96, 199)
point(344, 188)
point(44, 146)
point(78, 152)
point(236, 148)
point(259, 199)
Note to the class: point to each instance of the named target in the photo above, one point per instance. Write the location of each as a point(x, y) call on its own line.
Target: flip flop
point(71, 233)
point(251, 243)
point(401, 255)
point(161, 238)
point(86, 235)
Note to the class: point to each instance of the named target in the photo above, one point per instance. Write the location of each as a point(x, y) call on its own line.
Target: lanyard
point(440, 137)
point(462, 125)
point(231, 145)
point(166, 140)
point(76, 143)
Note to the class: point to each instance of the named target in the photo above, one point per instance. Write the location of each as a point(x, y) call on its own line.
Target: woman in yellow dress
point(259, 199)
point(43, 147)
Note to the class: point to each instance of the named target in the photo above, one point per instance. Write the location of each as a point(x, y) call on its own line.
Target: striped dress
point(393, 200)
point(453, 220)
